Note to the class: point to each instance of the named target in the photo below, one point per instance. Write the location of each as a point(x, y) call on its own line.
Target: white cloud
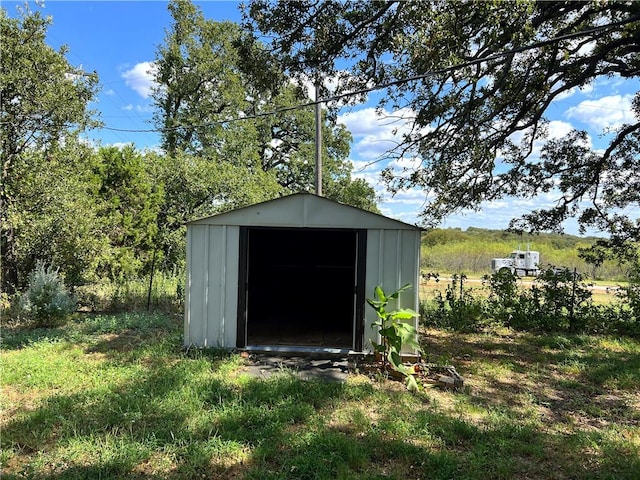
point(410, 217)
point(119, 145)
point(140, 78)
point(362, 166)
point(138, 108)
point(497, 204)
point(359, 122)
point(413, 196)
point(376, 133)
point(604, 113)
point(584, 90)
point(368, 121)
point(558, 129)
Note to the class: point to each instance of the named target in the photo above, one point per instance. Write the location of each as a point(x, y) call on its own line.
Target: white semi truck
point(520, 262)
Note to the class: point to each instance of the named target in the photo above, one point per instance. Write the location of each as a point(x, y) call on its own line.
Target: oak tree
point(480, 78)
point(222, 96)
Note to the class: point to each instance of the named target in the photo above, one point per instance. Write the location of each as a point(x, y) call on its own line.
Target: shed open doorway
point(303, 287)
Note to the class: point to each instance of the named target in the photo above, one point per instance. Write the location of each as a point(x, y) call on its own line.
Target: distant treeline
point(470, 251)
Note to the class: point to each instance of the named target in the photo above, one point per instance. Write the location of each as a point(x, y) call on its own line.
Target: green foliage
point(355, 192)
point(457, 309)
point(53, 216)
point(557, 295)
point(194, 187)
point(449, 49)
point(128, 198)
point(46, 303)
point(395, 332)
point(629, 297)
point(42, 193)
point(558, 301)
point(507, 304)
point(132, 295)
point(205, 77)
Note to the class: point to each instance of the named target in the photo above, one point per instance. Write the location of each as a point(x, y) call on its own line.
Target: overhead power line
point(381, 86)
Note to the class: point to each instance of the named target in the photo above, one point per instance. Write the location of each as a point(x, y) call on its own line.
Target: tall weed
point(559, 301)
point(458, 309)
point(166, 294)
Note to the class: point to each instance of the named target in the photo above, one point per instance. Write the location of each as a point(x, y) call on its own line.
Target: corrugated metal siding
point(392, 261)
point(231, 290)
point(212, 281)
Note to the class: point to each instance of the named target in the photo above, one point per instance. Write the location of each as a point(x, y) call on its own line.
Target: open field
point(471, 251)
point(116, 397)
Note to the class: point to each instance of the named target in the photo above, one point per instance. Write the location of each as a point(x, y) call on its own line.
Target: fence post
point(573, 301)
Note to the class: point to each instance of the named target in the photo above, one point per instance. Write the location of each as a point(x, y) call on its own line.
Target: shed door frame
point(359, 287)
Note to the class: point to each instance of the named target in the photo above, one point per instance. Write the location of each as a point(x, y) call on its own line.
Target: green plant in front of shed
point(395, 333)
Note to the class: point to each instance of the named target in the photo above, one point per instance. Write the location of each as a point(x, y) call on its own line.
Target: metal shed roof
point(304, 210)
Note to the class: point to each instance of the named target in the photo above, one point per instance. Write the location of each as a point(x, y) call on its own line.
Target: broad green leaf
point(396, 361)
point(375, 303)
point(404, 314)
point(400, 290)
point(380, 294)
point(389, 332)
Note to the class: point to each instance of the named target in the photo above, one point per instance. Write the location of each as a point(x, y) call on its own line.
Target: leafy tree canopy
point(480, 78)
point(44, 104)
point(222, 96)
point(128, 200)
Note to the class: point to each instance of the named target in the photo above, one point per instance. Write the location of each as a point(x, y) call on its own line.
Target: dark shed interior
point(301, 286)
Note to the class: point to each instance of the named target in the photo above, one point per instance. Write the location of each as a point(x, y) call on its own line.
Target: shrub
point(630, 294)
point(46, 302)
point(458, 309)
point(9, 308)
point(559, 301)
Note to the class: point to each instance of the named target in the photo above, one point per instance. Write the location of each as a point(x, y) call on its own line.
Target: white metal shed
point(293, 274)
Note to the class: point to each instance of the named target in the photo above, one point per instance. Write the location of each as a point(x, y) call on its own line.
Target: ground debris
point(443, 376)
point(446, 376)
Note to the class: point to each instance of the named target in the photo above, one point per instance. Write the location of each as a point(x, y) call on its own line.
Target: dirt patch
point(15, 400)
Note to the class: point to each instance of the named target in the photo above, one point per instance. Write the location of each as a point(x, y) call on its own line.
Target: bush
point(559, 301)
point(46, 303)
point(631, 293)
point(458, 309)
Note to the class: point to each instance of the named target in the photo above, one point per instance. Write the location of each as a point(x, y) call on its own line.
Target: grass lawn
point(116, 397)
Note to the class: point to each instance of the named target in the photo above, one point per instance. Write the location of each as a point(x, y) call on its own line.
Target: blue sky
point(118, 40)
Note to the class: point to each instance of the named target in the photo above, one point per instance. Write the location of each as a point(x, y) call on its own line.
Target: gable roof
point(304, 210)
